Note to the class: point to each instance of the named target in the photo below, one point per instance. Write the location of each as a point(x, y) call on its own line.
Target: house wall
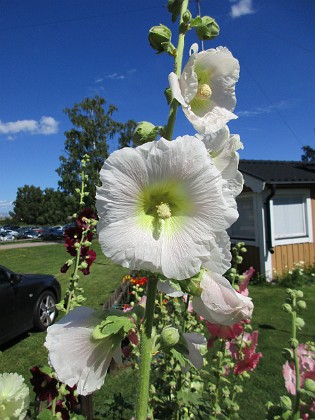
point(285, 256)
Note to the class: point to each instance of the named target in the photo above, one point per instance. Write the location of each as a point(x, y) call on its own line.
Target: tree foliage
point(34, 206)
point(93, 127)
point(308, 154)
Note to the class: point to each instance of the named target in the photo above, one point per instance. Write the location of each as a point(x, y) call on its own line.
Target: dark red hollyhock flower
point(87, 255)
point(86, 214)
point(44, 386)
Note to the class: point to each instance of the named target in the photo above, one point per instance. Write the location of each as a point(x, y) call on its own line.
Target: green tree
point(28, 205)
point(308, 154)
point(93, 127)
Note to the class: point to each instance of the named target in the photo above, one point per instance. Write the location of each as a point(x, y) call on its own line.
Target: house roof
point(279, 172)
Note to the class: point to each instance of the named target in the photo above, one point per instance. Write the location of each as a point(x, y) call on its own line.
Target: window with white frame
point(244, 227)
point(291, 216)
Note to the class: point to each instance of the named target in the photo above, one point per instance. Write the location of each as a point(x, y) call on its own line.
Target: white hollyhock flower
point(222, 147)
point(206, 89)
point(14, 397)
point(162, 207)
point(219, 303)
point(77, 358)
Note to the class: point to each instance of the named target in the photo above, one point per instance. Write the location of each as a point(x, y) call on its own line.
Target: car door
point(9, 318)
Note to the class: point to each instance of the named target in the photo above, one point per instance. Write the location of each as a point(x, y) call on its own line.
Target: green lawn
point(273, 324)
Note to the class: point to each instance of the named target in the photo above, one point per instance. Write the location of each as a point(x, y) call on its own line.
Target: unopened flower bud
point(187, 16)
point(300, 323)
point(287, 308)
point(299, 294)
point(309, 385)
point(84, 265)
point(301, 304)
point(287, 353)
point(144, 132)
point(243, 249)
point(170, 336)
point(208, 29)
point(160, 38)
point(293, 343)
point(239, 259)
point(285, 402)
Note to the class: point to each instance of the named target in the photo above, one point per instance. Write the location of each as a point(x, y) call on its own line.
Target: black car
point(26, 301)
point(53, 233)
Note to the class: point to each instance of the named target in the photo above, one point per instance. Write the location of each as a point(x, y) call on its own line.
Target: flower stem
point(169, 128)
point(296, 409)
point(145, 351)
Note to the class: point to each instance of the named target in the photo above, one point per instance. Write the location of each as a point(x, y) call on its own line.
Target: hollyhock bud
point(293, 343)
point(170, 336)
point(301, 304)
point(287, 308)
point(206, 28)
point(300, 323)
point(144, 132)
point(160, 38)
point(285, 402)
point(309, 385)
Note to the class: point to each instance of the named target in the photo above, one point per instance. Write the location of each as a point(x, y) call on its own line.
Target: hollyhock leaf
point(112, 325)
point(163, 207)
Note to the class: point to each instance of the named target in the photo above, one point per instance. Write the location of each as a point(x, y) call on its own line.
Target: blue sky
point(55, 53)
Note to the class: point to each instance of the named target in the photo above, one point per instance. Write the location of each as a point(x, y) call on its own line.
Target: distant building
point(277, 215)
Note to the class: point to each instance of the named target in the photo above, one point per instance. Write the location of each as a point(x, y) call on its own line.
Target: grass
point(273, 324)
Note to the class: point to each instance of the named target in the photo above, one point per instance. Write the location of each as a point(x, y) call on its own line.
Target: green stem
point(296, 410)
point(169, 128)
point(146, 354)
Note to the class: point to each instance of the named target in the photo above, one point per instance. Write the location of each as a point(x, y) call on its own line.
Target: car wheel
point(45, 311)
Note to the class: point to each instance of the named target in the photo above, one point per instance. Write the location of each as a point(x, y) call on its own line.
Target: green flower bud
point(84, 265)
point(309, 385)
point(239, 259)
point(301, 304)
point(285, 402)
point(243, 249)
point(144, 132)
point(87, 243)
point(187, 16)
point(299, 293)
point(160, 38)
point(293, 342)
point(208, 29)
point(300, 323)
point(78, 190)
point(170, 336)
point(77, 245)
point(287, 308)
point(287, 353)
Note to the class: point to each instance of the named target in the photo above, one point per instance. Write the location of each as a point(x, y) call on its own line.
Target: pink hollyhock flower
point(306, 365)
point(227, 332)
point(246, 357)
point(248, 274)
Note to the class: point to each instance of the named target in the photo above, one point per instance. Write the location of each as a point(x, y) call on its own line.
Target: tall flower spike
point(206, 89)
point(77, 358)
point(163, 207)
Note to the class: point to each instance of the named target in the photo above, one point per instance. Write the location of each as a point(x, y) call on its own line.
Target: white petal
point(175, 88)
point(169, 288)
point(212, 121)
point(194, 343)
point(220, 303)
point(76, 357)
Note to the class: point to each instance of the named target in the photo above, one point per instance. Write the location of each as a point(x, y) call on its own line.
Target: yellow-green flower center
point(163, 205)
point(163, 210)
point(204, 91)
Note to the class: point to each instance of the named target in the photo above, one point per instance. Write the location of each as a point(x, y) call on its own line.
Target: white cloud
point(264, 109)
point(243, 7)
point(45, 126)
point(115, 76)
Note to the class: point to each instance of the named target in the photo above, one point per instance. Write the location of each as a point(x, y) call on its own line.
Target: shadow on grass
point(14, 341)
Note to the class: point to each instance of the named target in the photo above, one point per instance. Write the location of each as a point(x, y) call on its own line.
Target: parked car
point(27, 301)
point(53, 233)
point(27, 234)
point(5, 236)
